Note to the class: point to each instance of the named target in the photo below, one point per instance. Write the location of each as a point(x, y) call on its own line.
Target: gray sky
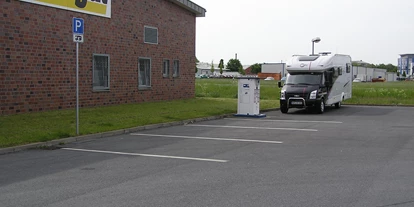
point(375, 31)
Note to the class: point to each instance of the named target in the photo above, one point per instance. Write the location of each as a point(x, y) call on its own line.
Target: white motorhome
point(316, 81)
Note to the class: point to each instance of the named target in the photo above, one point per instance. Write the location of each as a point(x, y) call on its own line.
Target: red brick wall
point(38, 56)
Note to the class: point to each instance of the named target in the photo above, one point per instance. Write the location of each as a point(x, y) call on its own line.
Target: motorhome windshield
point(304, 79)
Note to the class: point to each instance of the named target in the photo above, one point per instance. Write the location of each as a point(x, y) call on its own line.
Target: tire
point(284, 109)
point(338, 105)
point(321, 107)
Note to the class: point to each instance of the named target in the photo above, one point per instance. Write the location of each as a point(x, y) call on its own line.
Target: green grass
point(386, 93)
point(213, 97)
point(227, 88)
point(45, 126)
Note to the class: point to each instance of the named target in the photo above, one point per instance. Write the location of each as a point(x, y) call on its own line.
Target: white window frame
point(147, 85)
point(157, 35)
point(176, 68)
point(166, 71)
point(100, 87)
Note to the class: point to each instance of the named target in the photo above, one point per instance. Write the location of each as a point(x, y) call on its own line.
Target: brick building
point(133, 51)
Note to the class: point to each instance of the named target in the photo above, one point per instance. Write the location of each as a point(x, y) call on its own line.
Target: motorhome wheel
point(338, 105)
point(284, 109)
point(321, 107)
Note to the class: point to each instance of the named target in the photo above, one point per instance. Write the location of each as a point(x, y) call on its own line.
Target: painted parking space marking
point(146, 155)
point(247, 127)
point(210, 138)
point(288, 121)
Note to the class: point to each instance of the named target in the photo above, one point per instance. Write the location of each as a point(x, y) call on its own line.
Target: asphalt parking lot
point(353, 156)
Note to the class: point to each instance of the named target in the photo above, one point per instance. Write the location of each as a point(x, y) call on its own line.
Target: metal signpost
point(77, 29)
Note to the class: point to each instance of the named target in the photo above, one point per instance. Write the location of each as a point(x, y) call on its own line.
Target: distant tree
point(197, 61)
point(388, 67)
point(234, 65)
point(404, 75)
point(398, 74)
point(221, 66)
point(241, 70)
point(212, 67)
point(256, 68)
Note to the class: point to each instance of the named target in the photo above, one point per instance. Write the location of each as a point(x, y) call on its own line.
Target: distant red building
point(248, 71)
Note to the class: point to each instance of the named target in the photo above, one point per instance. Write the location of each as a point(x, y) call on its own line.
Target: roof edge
point(407, 54)
point(191, 6)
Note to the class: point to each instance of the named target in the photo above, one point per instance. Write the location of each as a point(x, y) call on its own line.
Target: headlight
point(282, 95)
point(313, 94)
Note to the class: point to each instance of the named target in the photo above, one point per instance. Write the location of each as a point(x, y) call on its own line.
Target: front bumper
point(299, 103)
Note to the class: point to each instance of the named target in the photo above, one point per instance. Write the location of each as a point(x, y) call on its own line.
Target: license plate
point(296, 103)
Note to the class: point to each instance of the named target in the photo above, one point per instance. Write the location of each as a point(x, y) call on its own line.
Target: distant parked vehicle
point(357, 80)
point(202, 76)
point(379, 79)
point(269, 78)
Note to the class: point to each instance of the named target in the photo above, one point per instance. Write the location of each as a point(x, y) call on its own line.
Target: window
point(176, 68)
point(348, 68)
point(308, 58)
point(144, 73)
point(100, 72)
point(166, 68)
point(337, 72)
point(150, 35)
point(304, 79)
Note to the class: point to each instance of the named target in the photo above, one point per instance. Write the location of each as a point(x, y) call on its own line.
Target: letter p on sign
point(77, 25)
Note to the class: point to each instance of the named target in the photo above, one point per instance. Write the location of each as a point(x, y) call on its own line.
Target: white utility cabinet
point(249, 97)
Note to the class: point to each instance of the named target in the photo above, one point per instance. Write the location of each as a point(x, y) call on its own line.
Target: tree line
point(234, 65)
point(388, 67)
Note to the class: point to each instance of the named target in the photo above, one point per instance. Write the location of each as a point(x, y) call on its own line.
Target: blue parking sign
point(77, 25)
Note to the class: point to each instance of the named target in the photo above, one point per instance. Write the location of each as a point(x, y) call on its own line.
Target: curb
point(59, 142)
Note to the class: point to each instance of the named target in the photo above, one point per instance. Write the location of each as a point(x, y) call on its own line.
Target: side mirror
point(279, 84)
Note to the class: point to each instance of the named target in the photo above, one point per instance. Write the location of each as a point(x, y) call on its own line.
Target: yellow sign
point(94, 7)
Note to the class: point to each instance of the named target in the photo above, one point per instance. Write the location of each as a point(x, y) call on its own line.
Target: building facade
point(406, 64)
point(133, 51)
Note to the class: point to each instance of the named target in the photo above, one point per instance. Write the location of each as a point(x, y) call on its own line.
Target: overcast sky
point(259, 31)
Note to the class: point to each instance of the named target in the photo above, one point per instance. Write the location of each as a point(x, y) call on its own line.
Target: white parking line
point(145, 155)
point(247, 127)
point(289, 121)
point(209, 138)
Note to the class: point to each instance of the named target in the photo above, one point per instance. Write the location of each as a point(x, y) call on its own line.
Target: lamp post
point(315, 40)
